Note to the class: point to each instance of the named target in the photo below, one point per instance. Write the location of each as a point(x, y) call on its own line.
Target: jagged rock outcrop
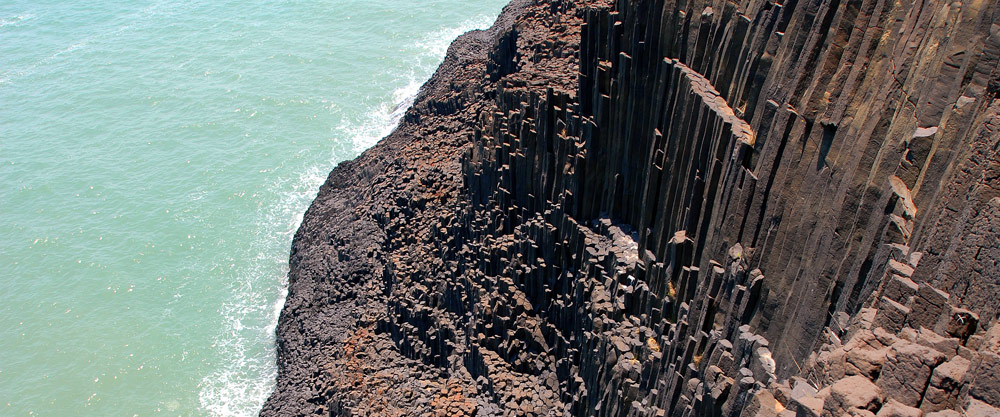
point(684, 208)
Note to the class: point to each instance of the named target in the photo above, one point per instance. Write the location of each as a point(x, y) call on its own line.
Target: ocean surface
point(156, 158)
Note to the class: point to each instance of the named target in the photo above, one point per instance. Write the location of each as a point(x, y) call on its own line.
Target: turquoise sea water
point(155, 160)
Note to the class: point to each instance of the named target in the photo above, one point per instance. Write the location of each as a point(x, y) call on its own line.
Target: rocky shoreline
point(668, 208)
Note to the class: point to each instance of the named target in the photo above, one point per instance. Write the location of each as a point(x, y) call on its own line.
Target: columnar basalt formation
point(684, 208)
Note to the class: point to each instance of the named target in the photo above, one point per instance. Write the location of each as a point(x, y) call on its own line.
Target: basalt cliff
point(668, 208)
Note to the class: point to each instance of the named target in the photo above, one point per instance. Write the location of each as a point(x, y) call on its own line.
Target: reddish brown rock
point(852, 393)
point(907, 371)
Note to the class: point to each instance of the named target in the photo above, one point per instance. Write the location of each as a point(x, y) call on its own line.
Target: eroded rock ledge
point(694, 208)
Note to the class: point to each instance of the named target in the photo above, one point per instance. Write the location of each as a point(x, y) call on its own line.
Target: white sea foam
point(431, 49)
point(71, 48)
point(15, 20)
point(31, 69)
point(241, 384)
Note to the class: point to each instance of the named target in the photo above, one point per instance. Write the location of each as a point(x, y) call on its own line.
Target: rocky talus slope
point(669, 208)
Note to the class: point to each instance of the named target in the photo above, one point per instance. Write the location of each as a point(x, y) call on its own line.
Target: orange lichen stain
point(353, 373)
point(653, 344)
point(453, 402)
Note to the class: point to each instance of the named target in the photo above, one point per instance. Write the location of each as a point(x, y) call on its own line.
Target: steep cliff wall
point(669, 208)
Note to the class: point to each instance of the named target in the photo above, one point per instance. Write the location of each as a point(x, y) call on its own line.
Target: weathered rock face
point(668, 208)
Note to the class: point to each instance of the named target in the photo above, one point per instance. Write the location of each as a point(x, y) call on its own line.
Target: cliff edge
point(683, 208)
